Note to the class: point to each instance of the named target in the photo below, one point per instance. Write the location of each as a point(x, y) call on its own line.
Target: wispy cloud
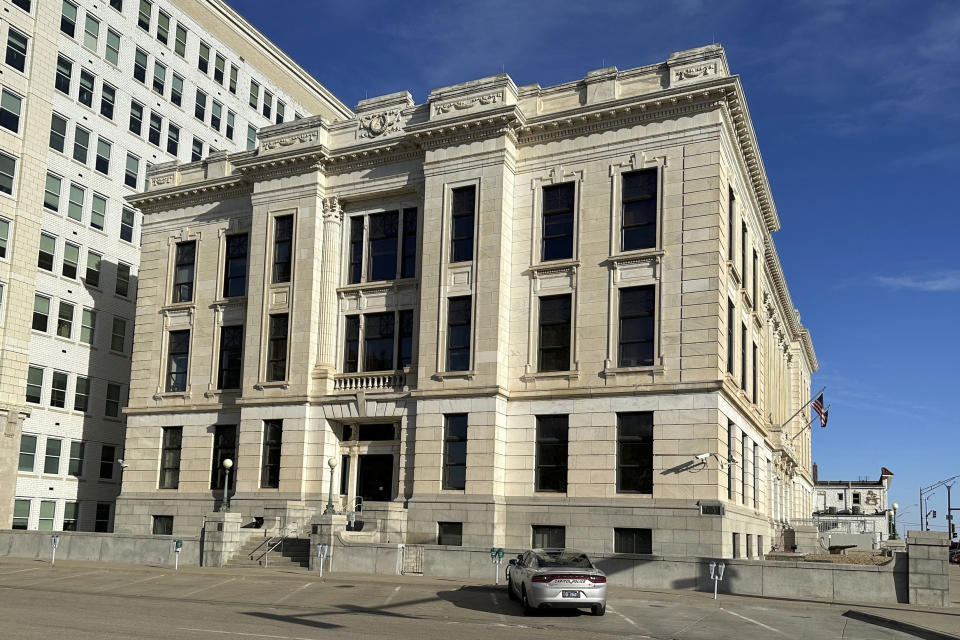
point(939, 281)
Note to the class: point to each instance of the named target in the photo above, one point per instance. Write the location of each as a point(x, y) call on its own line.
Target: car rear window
point(564, 559)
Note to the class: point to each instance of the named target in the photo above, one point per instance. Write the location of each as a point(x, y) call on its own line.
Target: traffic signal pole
point(951, 531)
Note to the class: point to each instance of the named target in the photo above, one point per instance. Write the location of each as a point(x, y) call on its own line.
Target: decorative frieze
point(379, 124)
point(306, 136)
point(468, 103)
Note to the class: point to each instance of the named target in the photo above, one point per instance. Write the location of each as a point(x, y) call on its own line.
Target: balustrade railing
point(377, 381)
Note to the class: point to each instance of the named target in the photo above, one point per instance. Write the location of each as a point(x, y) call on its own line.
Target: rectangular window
point(639, 210)
point(98, 211)
point(81, 144)
point(81, 402)
point(70, 512)
point(65, 320)
point(458, 333)
point(756, 483)
point(382, 246)
point(17, 52)
point(91, 33)
point(408, 248)
point(178, 356)
point(277, 348)
point(10, 104)
point(101, 523)
point(196, 150)
point(8, 167)
point(58, 133)
point(111, 407)
point(170, 457)
point(267, 104)
point(71, 259)
point(108, 99)
point(118, 335)
point(183, 272)
point(450, 533)
point(378, 329)
point(637, 328)
point(102, 163)
point(405, 339)
point(743, 357)
point(200, 108)
point(638, 541)
point(143, 15)
point(355, 267)
point(156, 126)
point(41, 312)
point(233, 79)
point(251, 137)
point(48, 247)
point(93, 269)
point(85, 92)
point(216, 115)
point(58, 389)
point(136, 118)
point(743, 252)
point(112, 53)
point(731, 438)
point(68, 18)
point(218, 69)
point(548, 537)
point(88, 326)
point(753, 281)
point(122, 287)
point(462, 223)
point(753, 376)
point(21, 514)
point(281, 111)
point(51, 192)
point(231, 357)
point(731, 311)
point(163, 27)
point(23, 4)
point(744, 448)
point(75, 465)
point(282, 248)
point(254, 94)
point(51, 458)
point(173, 139)
point(554, 342)
point(270, 459)
point(551, 461)
point(159, 77)
point(224, 446)
point(48, 509)
point(4, 236)
point(558, 222)
point(127, 222)
point(235, 266)
point(28, 444)
point(107, 455)
point(176, 90)
point(64, 74)
point(180, 45)
point(731, 216)
point(635, 452)
point(455, 451)
point(131, 174)
point(736, 545)
point(162, 525)
point(140, 66)
point(203, 59)
point(231, 121)
point(351, 344)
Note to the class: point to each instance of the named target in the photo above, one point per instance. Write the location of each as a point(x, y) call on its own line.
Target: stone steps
point(295, 552)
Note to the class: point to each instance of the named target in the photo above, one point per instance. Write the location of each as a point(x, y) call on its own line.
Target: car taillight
point(541, 578)
point(598, 579)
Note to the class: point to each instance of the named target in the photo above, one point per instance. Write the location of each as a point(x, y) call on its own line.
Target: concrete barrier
point(99, 547)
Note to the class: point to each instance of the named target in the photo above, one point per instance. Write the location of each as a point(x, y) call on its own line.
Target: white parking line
point(297, 590)
point(209, 586)
point(71, 576)
point(128, 584)
point(496, 604)
point(7, 573)
point(390, 597)
point(238, 633)
point(612, 610)
point(759, 624)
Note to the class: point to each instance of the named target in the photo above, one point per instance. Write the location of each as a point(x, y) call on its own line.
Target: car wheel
point(525, 603)
point(510, 592)
point(598, 609)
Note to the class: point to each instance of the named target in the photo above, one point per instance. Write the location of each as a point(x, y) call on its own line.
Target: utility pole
point(951, 532)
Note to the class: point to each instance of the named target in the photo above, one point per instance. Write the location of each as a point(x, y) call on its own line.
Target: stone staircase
point(294, 553)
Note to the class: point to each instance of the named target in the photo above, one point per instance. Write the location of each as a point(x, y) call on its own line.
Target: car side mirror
point(513, 561)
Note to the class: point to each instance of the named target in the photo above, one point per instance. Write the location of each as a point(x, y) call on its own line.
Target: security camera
point(703, 456)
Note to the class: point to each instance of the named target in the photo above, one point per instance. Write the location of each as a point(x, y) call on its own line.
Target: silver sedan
point(557, 578)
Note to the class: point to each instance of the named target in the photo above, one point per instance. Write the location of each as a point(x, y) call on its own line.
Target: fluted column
point(329, 279)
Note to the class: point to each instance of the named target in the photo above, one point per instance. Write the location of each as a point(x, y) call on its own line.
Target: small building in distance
point(852, 507)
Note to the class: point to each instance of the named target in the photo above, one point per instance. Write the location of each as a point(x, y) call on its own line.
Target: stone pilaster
point(221, 539)
point(928, 574)
point(328, 306)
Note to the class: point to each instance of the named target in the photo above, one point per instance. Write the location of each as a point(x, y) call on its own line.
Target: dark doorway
point(375, 478)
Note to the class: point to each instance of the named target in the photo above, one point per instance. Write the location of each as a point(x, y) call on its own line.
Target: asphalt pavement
point(83, 600)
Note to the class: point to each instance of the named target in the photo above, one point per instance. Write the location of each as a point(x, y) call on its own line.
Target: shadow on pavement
point(488, 599)
point(896, 625)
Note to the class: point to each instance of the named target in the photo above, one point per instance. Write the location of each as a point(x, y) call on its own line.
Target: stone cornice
point(191, 194)
point(784, 301)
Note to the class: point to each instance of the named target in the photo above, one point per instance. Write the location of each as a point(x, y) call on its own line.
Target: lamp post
point(329, 510)
point(893, 533)
point(225, 505)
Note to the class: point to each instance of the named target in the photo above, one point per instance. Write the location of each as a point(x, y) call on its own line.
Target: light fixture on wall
point(721, 461)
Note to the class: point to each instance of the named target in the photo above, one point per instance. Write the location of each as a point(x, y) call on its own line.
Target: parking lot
point(95, 600)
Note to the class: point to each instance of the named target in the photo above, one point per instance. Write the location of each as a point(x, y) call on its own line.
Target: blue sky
point(855, 107)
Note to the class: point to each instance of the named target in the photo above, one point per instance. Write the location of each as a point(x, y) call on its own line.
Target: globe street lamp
point(225, 505)
point(329, 510)
point(893, 534)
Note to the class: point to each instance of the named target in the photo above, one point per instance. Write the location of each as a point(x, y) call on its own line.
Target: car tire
point(598, 609)
point(510, 592)
point(524, 602)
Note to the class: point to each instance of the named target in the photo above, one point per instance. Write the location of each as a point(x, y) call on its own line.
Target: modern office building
point(510, 316)
point(93, 94)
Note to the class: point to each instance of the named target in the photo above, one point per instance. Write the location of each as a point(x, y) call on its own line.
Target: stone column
point(221, 538)
point(330, 279)
point(352, 478)
point(928, 568)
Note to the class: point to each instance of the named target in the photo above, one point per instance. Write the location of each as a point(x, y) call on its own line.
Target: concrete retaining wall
point(102, 547)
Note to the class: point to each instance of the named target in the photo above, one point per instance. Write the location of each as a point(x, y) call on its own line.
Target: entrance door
point(375, 477)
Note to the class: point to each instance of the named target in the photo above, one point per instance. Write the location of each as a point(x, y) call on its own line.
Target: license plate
point(571, 594)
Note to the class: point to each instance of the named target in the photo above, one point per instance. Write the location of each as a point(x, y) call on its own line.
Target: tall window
point(65, 319)
point(111, 406)
point(351, 344)
point(231, 357)
point(122, 287)
point(405, 338)
point(71, 511)
point(637, 329)
point(235, 267)
point(462, 223)
point(387, 251)
point(68, 18)
point(635, 452)
point(75, 466)
point(64, 74)
point(41, 312)
point(277, 348)
point(267, 104)
point(92, 276)
point(48, 509)
point(58, 133)
point(753, 375)
point(4, 236)
point(554, 348)
point(28, 452)
point(81, 144)
point(200, 106)
point(557, 242)
point(387, 342)
point(173, 139)
point(101, 522)
point(753, 280)
point(51, 458)
point(21, 514)
point(224, 446)
point(251, 137)
point(551, 471)
point(17, 50)
point(112, 52)
point(270, 460)
point(118, 336)
point(91, 33)
point(731, 311)
point(8, 167)
point(731, 217)
point(756, 481)
point(102, 163)
point(183, 271)
point(136, 118)
point(155, 131)
point(178, 357)
point(639, 210)
point(143, 15)
point(203, 59)
point(176, 89)
point(408, 249)
point(743, 252)
point(170, 457)
point(731, 438)
point(51, 192)
point(282, 248)
point(743, 357)
point(127, 222)
point(85, 92)
point(378, 341)
point(218, 69)
point(108, 99)
point(131, 172)
point(108, 455)
point(180, 43)
point(81, 395)
point(48, 247)
point(455, 451)
point(254, 94)
point(140, 65)
point(745, 451)
point(98, 211)
point(382, 246)
point(458, 334)
point(163, 27)
point(10, 104)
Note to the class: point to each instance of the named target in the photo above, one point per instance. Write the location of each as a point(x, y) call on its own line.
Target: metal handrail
point(265, 556)
point(265, 541)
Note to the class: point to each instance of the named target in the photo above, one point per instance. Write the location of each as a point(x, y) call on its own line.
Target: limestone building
point(93, 93)
point(510, 316)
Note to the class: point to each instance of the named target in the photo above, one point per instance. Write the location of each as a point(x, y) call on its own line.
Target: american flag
point(821, 411)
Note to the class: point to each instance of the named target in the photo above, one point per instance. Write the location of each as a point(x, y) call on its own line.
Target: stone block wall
point(929, 583)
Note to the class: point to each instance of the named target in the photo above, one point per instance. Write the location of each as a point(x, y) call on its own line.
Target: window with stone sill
point(4, 237)
point(34, 391)
point(108, 98)
point(378, 341)
point(51, 458)
point(23, 4)
point(68, 19)
point(170, 457)
point(551, 453)
point(101, 522)
point(459, 322)
point(71, 512)
point(230, 370)
point(8, 168)
point(224, 446)
point(159, 77)
point(554, 335)
point(163, 27)
point(112, 52)
point(638, 210)
point(635, 452)
point(277, 346)
point(455, 451)
point(548, 536)
point(92, 276)
point(10, 105)
point(85, 92)
point(16, 55)
point(462, 216)
point(180, 43)
point(178, 357)
point(21, 514)
point(162, 525)
point(48, 248)
point(41, 313)
point(81, 145)
point(219, 66)
point(64, 75)
point(382, 246)
point(58, 133)
point(155, 130)
point(271, 454)
point(81, 402)
point(122, 284)
point(58, 399)
point(183, 271)
point(91, 32)
point(203, 59)
point(108, 454)
point(450, 533)
point(48, 511)
point(111, 408)
point(28, 446)
point(143, 15)
point(140, 66)
point(65, 319)
point(235, 266)
point(636, 330)
point(558, 222)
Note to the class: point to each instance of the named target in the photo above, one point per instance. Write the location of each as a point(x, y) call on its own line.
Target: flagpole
point(809, 402)
point(827, 408)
